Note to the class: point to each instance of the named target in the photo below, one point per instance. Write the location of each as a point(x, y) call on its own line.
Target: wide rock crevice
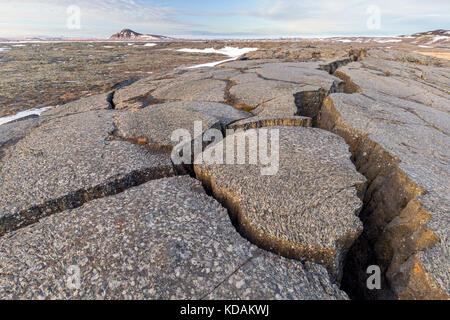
point(394, 221)
point(397, 213)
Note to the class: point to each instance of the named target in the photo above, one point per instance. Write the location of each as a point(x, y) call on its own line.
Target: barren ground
point(34, 75)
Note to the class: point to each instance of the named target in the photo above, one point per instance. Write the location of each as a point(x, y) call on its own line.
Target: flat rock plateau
point(94, 205)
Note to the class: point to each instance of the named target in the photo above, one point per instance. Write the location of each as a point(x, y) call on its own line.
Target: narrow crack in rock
point(229, 97)
point(110, 100)
point(269, 121)
point(258, 253)
point(114, 185)
point(43, 194)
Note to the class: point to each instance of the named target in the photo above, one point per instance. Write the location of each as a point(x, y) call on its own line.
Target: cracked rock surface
point(307, 210)
point(13, 131)
point(398, 129)
point(157, 123)
point(261, 122)
point(95, 102)
point(90, 183)
point(165, 239)
point(270, 88)
point(67, 161)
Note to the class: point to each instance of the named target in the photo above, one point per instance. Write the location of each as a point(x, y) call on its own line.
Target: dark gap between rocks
point(110, 100)
point(361, 254)
point(114, 185)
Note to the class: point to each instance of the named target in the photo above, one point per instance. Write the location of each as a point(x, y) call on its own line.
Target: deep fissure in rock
point(114, 185)
point(390, 194)
point(310, 104)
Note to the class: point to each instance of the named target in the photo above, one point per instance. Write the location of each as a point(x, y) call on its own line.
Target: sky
point(221, 19)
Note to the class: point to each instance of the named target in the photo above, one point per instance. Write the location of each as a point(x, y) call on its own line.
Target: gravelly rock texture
point(308, 209)
point(156, 123)
point(271, 88)
point(95, 102)
point(261, 122)
point(13, 131)
point(391, 107)
point(137, 95)
point(191, 90)
point(307, 281)
point(66, 161)
point(263, 85)
point(165, 239)
point(201, 85)
point(398, 129)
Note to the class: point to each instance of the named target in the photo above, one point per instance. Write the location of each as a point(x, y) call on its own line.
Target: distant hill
point(439, 32)
point(436, 38)
point(127, 34)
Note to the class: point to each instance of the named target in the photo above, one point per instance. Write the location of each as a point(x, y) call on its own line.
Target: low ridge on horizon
point(128, 34)
point(434, 37)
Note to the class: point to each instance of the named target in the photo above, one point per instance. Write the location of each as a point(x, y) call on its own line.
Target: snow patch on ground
point(438, 38)
point(231, 52)
point(150, 44)
point(388, 41)
point(227, 51)
point(23, 114)
point(4, 49)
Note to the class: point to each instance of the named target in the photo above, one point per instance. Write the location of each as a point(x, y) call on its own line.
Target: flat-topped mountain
point(127, 34)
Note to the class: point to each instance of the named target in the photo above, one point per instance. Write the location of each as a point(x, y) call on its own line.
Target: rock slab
point(67, 161)
point(165, 239)
point(307, 210)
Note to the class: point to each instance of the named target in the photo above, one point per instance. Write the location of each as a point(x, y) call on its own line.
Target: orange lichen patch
point(142, 140)
point(417, 269)
point(120, 224)
point(349, 86)
point(68, 96)
point(244, 107)
point(440, 55)
point(417, 283)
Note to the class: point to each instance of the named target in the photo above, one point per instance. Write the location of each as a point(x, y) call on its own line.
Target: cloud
point(282, 10)
point(292, 17)
point(97, 16)
point(257, 17)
